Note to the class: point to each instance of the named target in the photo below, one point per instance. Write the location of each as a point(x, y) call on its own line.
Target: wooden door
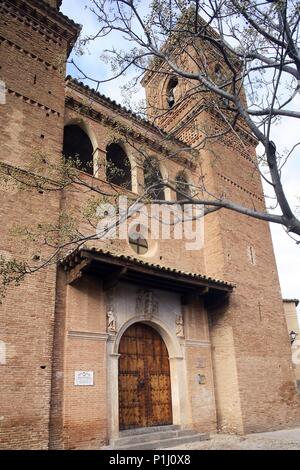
point(144, 379)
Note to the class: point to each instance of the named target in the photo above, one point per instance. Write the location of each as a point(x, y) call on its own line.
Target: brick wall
point(32, 67)
point(259, 342)
point(85, 408)
point(201, 396)
point(260, 364)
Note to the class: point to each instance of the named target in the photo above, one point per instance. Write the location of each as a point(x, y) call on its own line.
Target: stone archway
point(181, 413)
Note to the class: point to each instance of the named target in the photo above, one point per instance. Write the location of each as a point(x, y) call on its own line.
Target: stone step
point(162, 434)
point(165, 443)
point(133, 432)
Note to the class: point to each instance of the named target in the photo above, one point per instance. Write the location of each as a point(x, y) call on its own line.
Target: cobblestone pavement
point(275, 440)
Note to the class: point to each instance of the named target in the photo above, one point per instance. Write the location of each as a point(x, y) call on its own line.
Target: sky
point(286, 251)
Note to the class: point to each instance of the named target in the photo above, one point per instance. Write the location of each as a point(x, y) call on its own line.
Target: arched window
point(219, 73)
point(118, 168)
point(182, 186)
point(152, 176)
point(221, 79)
point(78, 147)
point(172, 84)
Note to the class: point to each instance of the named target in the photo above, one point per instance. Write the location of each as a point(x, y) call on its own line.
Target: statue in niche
point(179, 326)
point(111, 317)
point(146, 303)
point(111, 322)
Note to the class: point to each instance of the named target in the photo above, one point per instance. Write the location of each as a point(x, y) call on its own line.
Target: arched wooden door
point(144, 379)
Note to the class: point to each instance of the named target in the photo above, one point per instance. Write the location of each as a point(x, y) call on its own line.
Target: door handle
point(141, 383)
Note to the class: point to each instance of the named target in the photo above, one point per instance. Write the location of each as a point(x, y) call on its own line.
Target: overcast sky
point(286, 251)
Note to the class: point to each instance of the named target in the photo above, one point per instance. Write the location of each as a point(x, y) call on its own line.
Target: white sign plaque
point(84, 378)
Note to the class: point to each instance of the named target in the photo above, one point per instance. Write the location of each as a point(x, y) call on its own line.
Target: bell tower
point(35, 40)
point(250, 347)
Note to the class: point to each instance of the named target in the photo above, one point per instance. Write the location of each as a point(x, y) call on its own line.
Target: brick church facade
point(166, 337)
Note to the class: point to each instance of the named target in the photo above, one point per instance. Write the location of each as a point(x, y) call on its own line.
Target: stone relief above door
point(146, 304)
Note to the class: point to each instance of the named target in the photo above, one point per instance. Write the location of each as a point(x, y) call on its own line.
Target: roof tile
point(141, 262)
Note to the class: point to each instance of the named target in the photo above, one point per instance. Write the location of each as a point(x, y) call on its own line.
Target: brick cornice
point(32, 102)
point(44, 19)
point(127, 113)
point(32, 56)
point(135, 135)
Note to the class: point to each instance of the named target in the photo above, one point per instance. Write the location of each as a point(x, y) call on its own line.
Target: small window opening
point(219, 73)
point(182, 187)
point(171, 92)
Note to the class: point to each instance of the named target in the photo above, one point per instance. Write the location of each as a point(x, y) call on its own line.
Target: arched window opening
point(221, 80)
point(219, 73)
point(118, 168)
point(183, 189)
point(173, 82)
point(78, 147)
point(152, 176)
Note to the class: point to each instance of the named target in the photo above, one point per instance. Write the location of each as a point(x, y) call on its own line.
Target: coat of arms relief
point(146, 304)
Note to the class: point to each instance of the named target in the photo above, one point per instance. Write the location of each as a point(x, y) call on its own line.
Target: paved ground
point(277, 440)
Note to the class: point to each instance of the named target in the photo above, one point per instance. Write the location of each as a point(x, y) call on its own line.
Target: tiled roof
point(69, 260)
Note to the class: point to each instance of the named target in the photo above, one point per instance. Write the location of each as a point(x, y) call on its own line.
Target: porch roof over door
point(113, 268)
